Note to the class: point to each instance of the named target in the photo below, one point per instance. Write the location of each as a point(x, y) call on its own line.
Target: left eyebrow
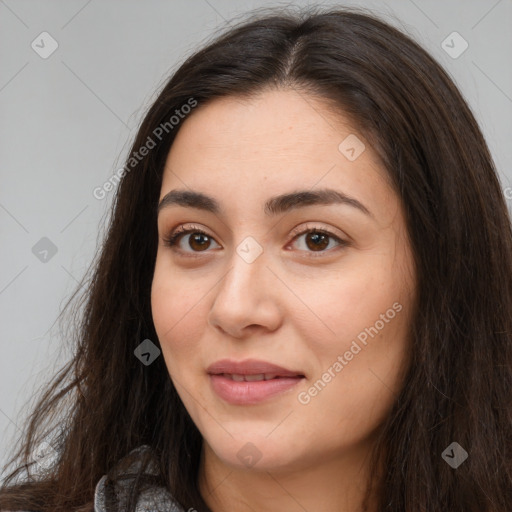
point(273, 206)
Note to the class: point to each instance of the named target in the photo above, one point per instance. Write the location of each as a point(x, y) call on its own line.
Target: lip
point(250, 367)
point(250, 392)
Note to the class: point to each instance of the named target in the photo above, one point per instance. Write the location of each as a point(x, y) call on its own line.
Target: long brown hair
point(458, 387)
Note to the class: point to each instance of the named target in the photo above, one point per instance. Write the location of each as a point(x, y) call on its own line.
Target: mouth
point(254, 377)
point(251, 381)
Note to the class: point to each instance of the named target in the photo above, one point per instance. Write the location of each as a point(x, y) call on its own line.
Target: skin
point(294, 305)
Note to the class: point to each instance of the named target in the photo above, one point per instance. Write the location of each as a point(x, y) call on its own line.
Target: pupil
point(197, 236)
point(316, 238)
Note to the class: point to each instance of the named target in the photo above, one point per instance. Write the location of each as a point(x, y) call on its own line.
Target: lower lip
point(246, 393)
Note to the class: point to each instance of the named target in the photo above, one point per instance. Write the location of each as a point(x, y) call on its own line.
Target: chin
point(256, 452)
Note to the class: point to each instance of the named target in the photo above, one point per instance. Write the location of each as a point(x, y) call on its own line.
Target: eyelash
point(172, 240)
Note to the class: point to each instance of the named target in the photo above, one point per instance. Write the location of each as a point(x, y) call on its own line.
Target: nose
point(246, 298)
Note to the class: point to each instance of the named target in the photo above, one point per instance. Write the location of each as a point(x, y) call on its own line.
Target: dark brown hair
point(458, 386)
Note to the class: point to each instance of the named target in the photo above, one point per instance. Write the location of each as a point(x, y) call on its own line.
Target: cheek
point(341, 305)
point(357, 383)
point(176, 310)
point(364, 316)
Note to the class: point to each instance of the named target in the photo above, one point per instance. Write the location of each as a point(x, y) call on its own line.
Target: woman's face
point(332, 308)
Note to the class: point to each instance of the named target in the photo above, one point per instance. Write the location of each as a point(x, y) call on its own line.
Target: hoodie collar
point(153, 499)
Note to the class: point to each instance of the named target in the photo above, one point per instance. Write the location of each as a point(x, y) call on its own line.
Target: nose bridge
point(243, 296)
point(246, 270)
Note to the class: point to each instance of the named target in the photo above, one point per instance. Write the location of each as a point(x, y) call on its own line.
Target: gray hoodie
point(155, 499)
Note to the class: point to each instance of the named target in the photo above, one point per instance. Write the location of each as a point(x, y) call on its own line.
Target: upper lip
point(250, 367)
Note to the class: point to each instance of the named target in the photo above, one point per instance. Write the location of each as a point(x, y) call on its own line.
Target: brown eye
point(199, 241)
point(317, 241)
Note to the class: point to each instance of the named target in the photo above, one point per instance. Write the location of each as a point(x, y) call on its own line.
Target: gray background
point(66, 123)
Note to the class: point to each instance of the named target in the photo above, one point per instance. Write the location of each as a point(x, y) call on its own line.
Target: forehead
point(275, 119)
point(270, 144)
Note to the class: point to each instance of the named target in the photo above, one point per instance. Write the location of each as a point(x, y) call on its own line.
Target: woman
point(304, 298)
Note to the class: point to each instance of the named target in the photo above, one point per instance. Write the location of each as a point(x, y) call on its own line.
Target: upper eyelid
point(301, 229)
